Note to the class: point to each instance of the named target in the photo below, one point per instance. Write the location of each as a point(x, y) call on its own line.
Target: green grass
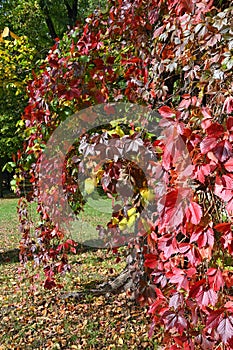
point(96, 212)
point(9, 230)
point(40, 319)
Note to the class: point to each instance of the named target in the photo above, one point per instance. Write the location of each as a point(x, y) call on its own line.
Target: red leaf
point(158, 31)
point(110, 60)
point(192, 305)
point(225, 227)
point(225, 329)
point(158, 303)
point(202, 171)
point(159, 277)
point(196, 288)
point(131, 60)
point(210, 237)
point(191, 252)
point(208, 144)
point(203, 237)
point(205, 341)
point(184, 104)
point(171, 199)
point(206, 112)
point(75, 92)
point(229, 165)
point(54, 63)
point(175, 320)
point(229, 306)
point(181, 277)
point(151, 261)
point(98, 63)
point(230, 123)
point(227, 241)
point(153, 16)
point(73, 250)
point(166, 112)
point(228, 181)
point(214, 318)
point(228, 105)
point(215, 130)
point(224, 187)
point(206, 297)
point(228, 278)
point(174, 207)
point(206, 122)
point(230, 342)
point(229, 207)
point(215, 278)
point(168, 245)
point(223, 150)
point(176, 300)
point(186, 5)
point(194, 213)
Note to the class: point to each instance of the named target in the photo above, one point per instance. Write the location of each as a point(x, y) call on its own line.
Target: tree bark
point(133, 278)
point(48, 19)
point(121, 283)
point(72, 11)
point(1, 181)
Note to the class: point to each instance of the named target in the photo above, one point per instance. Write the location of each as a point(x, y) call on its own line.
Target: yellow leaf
point(99, 174)
point(123, 224)
point(148, 195)
point(5, 32)
point(117, 131)
point(131, 211)
point(115, 221)
point(132, 220)
point(89, 185)
point(66, 103)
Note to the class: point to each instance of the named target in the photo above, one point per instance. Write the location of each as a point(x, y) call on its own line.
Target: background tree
point(44, 20)
point(16, 59)
point(176, 57)
point(37, 24)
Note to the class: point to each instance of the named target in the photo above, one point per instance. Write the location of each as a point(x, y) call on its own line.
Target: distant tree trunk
point(1, 181)
point(72, 11)
point(48, 19)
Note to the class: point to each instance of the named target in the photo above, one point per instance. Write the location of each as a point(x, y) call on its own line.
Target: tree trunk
point(1, 181)
point(133, 279)
point(72, 11)
point(48, 19)
point(120, 284)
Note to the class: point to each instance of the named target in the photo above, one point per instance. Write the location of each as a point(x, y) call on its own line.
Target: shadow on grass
point(8, 195)
point(10, 256)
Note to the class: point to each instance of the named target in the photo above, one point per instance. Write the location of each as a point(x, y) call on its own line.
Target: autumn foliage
point(174, 57)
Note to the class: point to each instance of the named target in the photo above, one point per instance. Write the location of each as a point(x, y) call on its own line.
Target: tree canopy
point(175, 57)
point(17, 57)
point(42, 21)
point(28, 28)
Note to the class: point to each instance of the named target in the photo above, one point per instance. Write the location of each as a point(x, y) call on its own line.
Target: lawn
point(34, 318)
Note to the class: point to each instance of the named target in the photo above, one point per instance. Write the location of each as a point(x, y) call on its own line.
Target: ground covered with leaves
point(33, 318)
